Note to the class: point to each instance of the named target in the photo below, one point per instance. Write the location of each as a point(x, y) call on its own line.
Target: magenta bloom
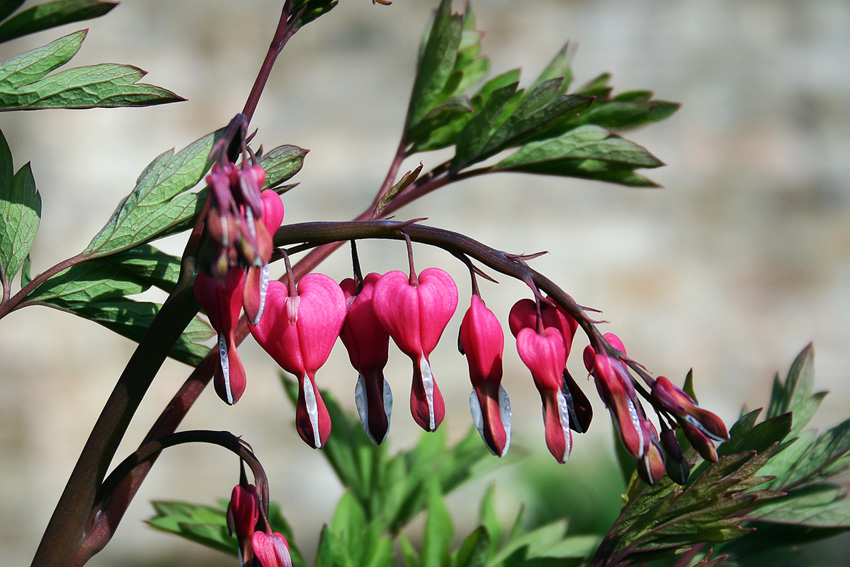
point(415, 312)
point(243, 511)
point(650, 468)
point(482, 341)
point(524, 315)
point(368, 345)
point(271, 550)
point(257, 281)
point(546, 357)
point(617, 391)
point(299, 332)
point(223, 303)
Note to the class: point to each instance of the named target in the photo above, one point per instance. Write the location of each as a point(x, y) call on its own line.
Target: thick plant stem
point(68, 524)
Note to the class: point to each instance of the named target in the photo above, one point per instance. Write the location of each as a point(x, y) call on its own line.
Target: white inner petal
point(564, 416)
point(477, 417)
point(505, 414)
point(264, 288)
point(362, 405)
point(633, 415)
point(225, 366)
point(428, 385)
point(388, 405)
point(312, 410)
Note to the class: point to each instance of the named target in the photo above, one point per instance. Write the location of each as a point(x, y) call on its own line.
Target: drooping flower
point(257, 280)
point(223, 302)
point(650, 467)
point(482, 341)
point(524, 315)
point(616, 389)
point(368, 344)
point(299, 331)
point(243, 511)
point(544, 354)
point(675, 463)
point(415, 311)
point(271, 550)
point(677, 402)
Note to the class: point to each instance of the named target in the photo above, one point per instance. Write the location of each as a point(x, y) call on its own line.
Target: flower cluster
point(298, 323)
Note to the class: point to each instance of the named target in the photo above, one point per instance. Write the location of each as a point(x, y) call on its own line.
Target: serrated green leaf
point(598, 86)
point(558, 67)
point(159, 200)
point(9, 6)
point(441, 126)
point(30, 66)
point(583, 143)
point(756, 438)
point(281, 164)
point(106, 85)
point(89, 281)
point(20, 214)
point(619, 115)
point(132, 319)
point(436, 62)
point(51, 15)
point(823, 506)
point(203, 524)
point(439, 530)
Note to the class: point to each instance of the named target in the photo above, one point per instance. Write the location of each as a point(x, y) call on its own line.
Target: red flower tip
point(368, 343)
point(700, 442)
point(223, 303)
point(303, 346)
point(271, 550)
point(482, 341)
point(651, 467)
point(415, 317)
point(243, 511)
point(545, 355)
point(676, 401)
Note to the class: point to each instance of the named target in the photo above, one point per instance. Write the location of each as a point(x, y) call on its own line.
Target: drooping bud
point(271, 550)
point(617, 391)
point(677, 402)
point(250, 181)
point(544, 354)
point(257, 280)
point(699, 441)
point(368, 344)
point(650, 468)
point(299, 333)
point(243, 511)
point(675, 463)
point(482, 341)
point(223, 303)
point(415, 317)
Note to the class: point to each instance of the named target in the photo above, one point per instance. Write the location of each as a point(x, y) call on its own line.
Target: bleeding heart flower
point(650, 468)
point(299, 332)
point(482, 341)
point(524, 315)
point(617, 391)
point(368, 344)
point(271, 550)
point(544, 354)
point(257, 281)
point(223, 303)
point(415, 312)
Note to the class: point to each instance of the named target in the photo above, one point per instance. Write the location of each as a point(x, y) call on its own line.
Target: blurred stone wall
point(734, 267)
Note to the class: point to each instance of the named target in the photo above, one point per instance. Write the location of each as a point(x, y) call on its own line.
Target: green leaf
point(32, 65)
point(474, 550)
point(822, 506)
point(583, 143)
point(558, 68)
point(202, 524)
point(51, 15)
point(436, 63)
point(472, 140)
point(795, 395)
point(158, 202)
point(489, 519)
point(26, 278)
point(20, 214)
point(349, 523)
point(9, 6)
point(281, 164)
point(411, 557)
point(438, 530)
point(132, 319)
point(332, 552)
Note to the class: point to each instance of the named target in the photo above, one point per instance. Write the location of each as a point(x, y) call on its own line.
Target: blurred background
point(731, 270)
